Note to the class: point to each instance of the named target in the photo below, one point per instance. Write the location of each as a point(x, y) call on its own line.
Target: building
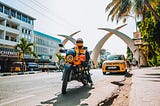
point(46, 46)
point(14, 24)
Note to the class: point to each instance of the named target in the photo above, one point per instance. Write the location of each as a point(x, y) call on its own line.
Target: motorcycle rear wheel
point(84, 80)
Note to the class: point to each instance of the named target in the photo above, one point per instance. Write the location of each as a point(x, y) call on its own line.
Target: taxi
point(114, 63)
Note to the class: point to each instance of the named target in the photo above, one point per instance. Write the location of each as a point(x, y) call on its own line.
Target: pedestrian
point(128, 64)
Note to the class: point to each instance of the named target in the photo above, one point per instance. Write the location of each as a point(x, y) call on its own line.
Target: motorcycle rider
point(81, 50)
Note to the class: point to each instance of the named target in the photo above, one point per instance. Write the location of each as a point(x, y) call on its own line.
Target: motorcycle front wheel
point(65, 79)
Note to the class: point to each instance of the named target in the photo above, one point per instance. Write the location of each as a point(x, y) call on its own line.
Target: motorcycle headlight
point(69, 58)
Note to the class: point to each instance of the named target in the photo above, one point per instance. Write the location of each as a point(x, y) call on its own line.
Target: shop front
point(7, 56)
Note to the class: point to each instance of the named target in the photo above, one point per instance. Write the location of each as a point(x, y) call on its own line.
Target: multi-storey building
point(15, 24)
point(46, 46)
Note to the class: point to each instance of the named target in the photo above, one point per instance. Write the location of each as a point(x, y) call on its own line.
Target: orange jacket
point(80, 55)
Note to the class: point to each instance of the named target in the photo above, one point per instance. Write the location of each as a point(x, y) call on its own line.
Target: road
point(44, 89)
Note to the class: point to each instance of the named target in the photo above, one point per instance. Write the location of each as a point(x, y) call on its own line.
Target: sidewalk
point(145, 89)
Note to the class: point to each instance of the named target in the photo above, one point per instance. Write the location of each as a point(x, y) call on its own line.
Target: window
point(24, 18)
point(29, 20)
point(29, 32)
point(26, 31)
point(1, 8)
point(13, 13)
point(26, 36)
point(7, 25)
point(7, 38)
point(32, 22)
point(23, 35)
point(6, 10)
point(22, 30)
point(13, 39)
point(19, 16)
point(29, 37)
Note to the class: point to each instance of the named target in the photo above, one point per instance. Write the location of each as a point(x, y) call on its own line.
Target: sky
point(68, 16)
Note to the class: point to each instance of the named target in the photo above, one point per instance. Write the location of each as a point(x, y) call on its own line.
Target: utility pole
point(137, 41)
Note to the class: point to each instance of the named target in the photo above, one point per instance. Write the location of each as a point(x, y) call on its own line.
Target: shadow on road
point(73, 97)
point(128, 74)
point(121, 83)
point(155, 74)
point(152, 77)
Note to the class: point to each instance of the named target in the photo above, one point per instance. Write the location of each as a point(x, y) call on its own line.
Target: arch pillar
point(130, 44)
point(70, 37)
point(99, 45)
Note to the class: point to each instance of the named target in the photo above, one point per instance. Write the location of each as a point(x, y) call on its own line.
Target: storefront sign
point(137, 38)
point(136, 35)
point(137, 42)
point(7, 53)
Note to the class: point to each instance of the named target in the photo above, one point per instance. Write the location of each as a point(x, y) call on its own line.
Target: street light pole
point(139, 60)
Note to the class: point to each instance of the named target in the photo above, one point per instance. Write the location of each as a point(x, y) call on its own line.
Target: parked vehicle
point(48, 66)
point(134, 63)
point(76, 68)
point(31, 66)
point(16, 67)
point(114, 63)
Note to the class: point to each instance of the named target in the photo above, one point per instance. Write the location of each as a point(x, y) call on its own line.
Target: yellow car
point(114, 63)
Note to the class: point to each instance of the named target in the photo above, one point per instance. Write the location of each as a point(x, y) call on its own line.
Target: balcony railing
point(7, 42)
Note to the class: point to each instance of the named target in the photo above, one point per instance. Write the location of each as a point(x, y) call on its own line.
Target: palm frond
point(111, 4)
point(113, 11)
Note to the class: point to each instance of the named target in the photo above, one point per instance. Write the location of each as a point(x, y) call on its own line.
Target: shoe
point(92, 86)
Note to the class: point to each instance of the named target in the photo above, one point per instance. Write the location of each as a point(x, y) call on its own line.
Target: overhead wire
point(42, 13)
point(47, 10)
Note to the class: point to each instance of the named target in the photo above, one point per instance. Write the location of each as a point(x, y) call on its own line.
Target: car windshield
point(17, 64)
point(115, 57)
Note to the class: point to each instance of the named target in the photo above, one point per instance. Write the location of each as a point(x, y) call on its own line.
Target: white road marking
point(17, 99)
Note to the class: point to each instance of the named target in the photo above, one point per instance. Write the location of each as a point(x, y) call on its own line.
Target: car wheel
point(104, 73)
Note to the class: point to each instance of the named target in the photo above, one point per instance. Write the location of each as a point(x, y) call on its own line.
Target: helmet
point(79, 42)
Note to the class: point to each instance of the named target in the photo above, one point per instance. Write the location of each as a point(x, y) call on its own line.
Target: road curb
point(18, 73)
point(101, 96)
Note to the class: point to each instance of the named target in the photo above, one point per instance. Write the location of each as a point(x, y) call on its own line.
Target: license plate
point(112, 67)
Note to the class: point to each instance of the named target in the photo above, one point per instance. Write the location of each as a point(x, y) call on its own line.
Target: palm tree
point(121, 9)
point(25, 48)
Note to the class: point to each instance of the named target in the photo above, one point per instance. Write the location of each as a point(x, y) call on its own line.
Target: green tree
point(150, 32)
point(121, 9)
point(25, 48)
point(60, 57)
point(129, 54)
point(149, 11)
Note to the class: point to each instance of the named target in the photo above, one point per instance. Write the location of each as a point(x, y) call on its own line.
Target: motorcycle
point(75, 68)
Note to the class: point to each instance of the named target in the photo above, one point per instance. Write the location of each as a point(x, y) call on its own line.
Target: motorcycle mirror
point(60, 45)
point(62, 51)
point(85, 48)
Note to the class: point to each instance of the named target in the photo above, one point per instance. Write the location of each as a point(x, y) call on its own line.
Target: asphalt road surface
point(44, 89)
